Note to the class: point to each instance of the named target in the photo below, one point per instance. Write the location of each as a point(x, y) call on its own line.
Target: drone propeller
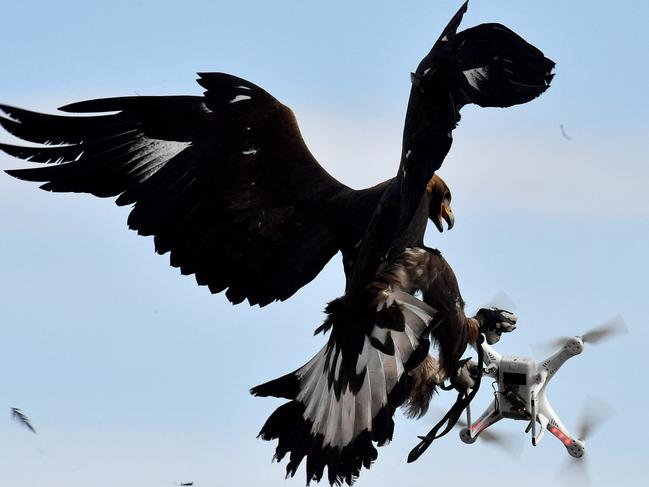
point(574, 471)
point(509, 444)
point(594, 413)
point(501, 300)
point(610, 328)
point(614, 326)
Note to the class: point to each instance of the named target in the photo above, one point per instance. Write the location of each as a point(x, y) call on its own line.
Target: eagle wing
point(223, 182)
point(342, 402)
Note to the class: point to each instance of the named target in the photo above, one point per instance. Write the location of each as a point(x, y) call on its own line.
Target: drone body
point(521, 387)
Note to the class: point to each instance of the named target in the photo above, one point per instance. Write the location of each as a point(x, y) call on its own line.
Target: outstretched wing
point(488, 65)
point(224, 182)
point(342, 402)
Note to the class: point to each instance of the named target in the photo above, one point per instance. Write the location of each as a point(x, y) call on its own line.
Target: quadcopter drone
point(520, 391)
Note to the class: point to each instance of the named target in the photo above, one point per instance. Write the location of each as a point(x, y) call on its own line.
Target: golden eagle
point(225, 183)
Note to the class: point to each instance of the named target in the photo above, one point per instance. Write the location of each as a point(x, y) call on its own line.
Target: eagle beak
point(445, 213)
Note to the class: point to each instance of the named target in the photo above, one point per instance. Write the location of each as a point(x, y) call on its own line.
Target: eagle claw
point(494, 322)
point(466, 376)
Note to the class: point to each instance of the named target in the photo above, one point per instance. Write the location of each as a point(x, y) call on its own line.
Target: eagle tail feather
point(341, 403)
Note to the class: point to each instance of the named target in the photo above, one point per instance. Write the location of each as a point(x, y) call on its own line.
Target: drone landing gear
point(465, 436)
point(470, 433)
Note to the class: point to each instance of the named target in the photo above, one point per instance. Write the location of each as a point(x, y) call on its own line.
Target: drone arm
point(573, 346)
point(491, 357)
point(553, 424)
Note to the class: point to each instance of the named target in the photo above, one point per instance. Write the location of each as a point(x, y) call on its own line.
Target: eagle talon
point(466, 375)
point(493, 322)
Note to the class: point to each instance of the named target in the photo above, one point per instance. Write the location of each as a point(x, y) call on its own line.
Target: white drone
point(521, 385)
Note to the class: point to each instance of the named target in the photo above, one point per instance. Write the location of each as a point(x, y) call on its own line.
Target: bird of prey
point(225, 183)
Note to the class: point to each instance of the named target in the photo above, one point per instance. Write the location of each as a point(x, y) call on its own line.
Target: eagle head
point(440, 203)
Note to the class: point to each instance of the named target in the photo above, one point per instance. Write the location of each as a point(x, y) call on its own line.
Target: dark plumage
point(226, 185)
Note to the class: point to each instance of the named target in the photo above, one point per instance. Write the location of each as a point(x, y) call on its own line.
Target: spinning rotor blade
point(509, 444)
point(609, 329)
point(613, 327)
point(574, 471)
point(549, 346)
point(501, 300)
point(594, 413)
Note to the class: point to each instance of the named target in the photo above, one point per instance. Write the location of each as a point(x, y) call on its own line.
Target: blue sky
point(133, 375)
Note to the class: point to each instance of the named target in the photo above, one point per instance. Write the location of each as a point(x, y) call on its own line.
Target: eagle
point(226, 185)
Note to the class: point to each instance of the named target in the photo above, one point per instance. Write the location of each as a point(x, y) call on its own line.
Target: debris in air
point(20, 417)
